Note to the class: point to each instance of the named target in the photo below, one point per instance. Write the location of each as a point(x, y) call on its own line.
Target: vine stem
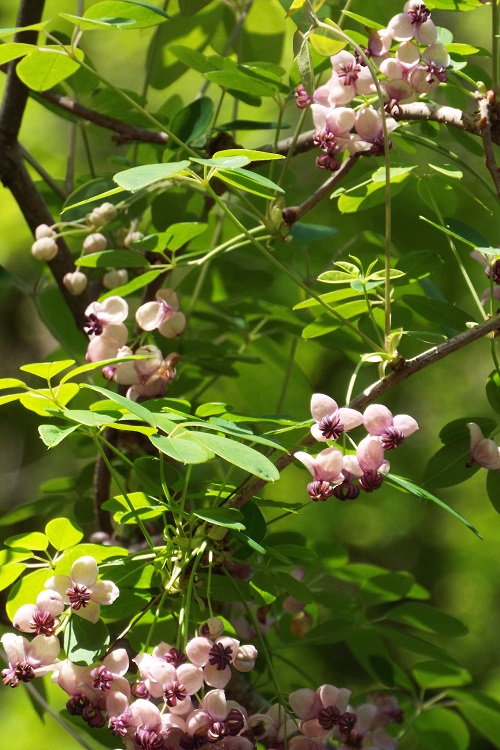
point(494, 45)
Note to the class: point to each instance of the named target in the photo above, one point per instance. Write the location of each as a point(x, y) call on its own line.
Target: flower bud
point(75, 282)
point(132, 237)
point(102, 214)
point(95, 243)
point(301, 624)
point(213, 628)
point(44, 249)
point(245, 658)
point(114, 278)
point(43, 230)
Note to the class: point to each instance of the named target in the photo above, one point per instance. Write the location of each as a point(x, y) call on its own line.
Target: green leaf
point(493, 390)
point(459, 231)
point(183, 449)
point(11, 383)
point(45, 68)
point(52, 435)
point(249, 154)
point(63, 533)
point(133, 286)
point(85, 641)
point(324, 44)
point(439, 728)
point(228, 162)
point(13, 50)
point(452, 4)
point(128, 604)
point(129, 572)
point(26, 590)
point(415, 645)
point(34, 540)
point(405, 485)
point(230, 518)
point(434, 674)
point(252, 125)
point(481, 711)
point(10, 573)
point(192, 58)
point(192, 121)
point(251, 182)
point(136, 14)
point(388, 587)
point(240, 455)
point(112, 259)
point(41, 507)
point(368, 194)
point(99, 552)
point(363, 20)
point(428, 618)
point(369, 649)
point(394, 172)
point(139, 178)
point(16, 29)
point(434, 310)
point(304, 234)
point(238, 80)
point(493, 488)
point(140, 411)
point(295, 588)
point(48, 370)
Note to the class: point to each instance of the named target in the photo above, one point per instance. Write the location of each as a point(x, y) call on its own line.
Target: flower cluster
point(417, 67)
point(108, 339)
point(336, 473)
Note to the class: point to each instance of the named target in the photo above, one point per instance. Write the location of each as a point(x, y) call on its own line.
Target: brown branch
point(486, 110)
point(402, 370)
point(291, 214)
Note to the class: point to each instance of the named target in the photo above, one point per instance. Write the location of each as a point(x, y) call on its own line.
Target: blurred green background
point(386, 528)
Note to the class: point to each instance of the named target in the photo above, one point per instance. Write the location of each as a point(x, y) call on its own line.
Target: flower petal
point(322, 406)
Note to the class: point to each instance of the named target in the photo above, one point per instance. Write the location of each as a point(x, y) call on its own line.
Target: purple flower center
point(174, 691)
point(319, 490)
point(139, 690)
point(325, 139)
point(371, 480)
point(235, 722)
point(220, 656)
point(354, 741)
point(435, 71)
point(78, 595)
point(348, 72)
point(391, 438)
point(188, 742)
point(42, 623)
point(175, 657)
point(418, 14)
point(217, 731)
point(22, 672)
point(328, 717)
point(331, 427)
point(93, 716)
point(147, 739)
point(378, 146)
point(76, 704)
point(102, 678)
point(120, 724)
point(302, 98)
point(93, 325)
point(494, 272)
point(346, 491)
point(347, 722)
point(328, 161)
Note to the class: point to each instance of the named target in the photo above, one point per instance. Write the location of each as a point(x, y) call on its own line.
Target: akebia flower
point(414, 23)
point(483, 451)
point(104, 325)
point(321, 710)
point(216, 657)
point(331, 421)
point(370, 457)
point(163, 314)
point(348, 78)
point(28, 660)
point(326, 469)
point(81, 589)
point(40, 618)
point(379, 421)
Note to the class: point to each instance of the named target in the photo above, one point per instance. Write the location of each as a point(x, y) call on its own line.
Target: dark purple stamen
point(217, 731)
point(235, 722)
point(175, 657)
point(371, 480)
point(391, 438)
point(76, 704)
point(349, 73)
point(319, 490)
point(435, 71)
point(329, 717)
point(174, 691)
point(346, 491)
point(325, 139)
point(494, 272)
point(220, 656)
point(146, 739)
point(347, 722)
point(93, 716)
point(139, 690)
point(302, 98)
point(418, 14)
point(120, 724)
point(79, 596)
point(102, 678)
point(22, 672)
point(331, 427)
point(327, 161)
point(42, 623)
point(92, 325)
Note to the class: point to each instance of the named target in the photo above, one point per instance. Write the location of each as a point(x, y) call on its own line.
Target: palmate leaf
point(240, 455)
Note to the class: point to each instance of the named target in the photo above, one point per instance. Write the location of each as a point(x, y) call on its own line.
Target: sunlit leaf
point(45, 68)
point(139, 178)
point(63, 533)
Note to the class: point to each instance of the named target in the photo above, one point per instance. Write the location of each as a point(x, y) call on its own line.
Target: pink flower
point(365, 732)
point(215, 658)
point(104, 324)
point(483, 451)
point(414, 22)
point(370, 131)
point(331, 421)
point(370, 456)
point(379, 421)
point(425, 78)
point(147, 377)
point(28, 660)
point(348, 78)
point(162, 314)
point(219, 721)
point(82, 590)
point(165, 674)
point(40, 618)
point(326, 469)
point(320, 711)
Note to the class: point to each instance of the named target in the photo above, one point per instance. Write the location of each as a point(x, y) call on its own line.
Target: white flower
point(82, 590)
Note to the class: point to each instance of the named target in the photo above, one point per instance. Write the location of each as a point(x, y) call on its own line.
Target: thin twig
point(402, 370)
point(485, 128)
point(292, 214)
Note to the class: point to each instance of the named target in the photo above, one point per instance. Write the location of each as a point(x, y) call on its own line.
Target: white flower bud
point(132, 237)
point(44, 249)
point(213, 628)
point(75, 282)
point(95, 243)
point(43, 230)
point(102, 214)
point(114, 278)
